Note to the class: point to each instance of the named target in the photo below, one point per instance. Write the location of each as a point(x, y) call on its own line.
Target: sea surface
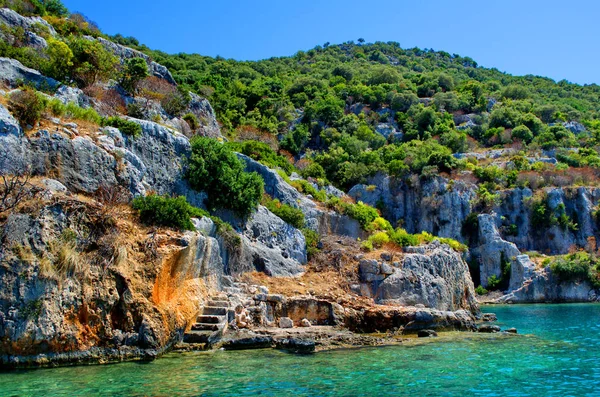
point(558, 355)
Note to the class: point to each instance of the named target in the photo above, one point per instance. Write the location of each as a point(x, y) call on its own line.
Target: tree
point(135, 70)
point(215, 169)
point(55, 7)
point(522, 133)
point(91, 61)
point(60, 59)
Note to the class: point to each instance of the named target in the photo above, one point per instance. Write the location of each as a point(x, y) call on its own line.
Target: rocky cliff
point(502, 233)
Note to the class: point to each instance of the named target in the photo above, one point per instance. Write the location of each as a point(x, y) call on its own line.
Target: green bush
point(291, 215)
point(175, 102)
point(404, 239)
point(126, 127)
point(262, 153)
point(379, 239)
point(360, 211)
point(312, 241)
point(192, 121)
point(91, 62)
point(307, 188)
point(480, 290)
point(73, 111)
point(579, 266)
point(216, 170)
point(166, 211)
point(134, 71)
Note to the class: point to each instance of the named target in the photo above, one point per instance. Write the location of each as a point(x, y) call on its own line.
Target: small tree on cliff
point(134, 71)
point(215, 169)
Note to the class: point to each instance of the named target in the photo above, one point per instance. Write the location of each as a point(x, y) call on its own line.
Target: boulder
point(67, 94)
point(13, 73)
point(286, 322)
point(202, 109)
point(427, 333)
point(488, 329)
point(438, 278)
point(305, 323)
point(8, 124)
point(489, 317)
point(296, 345)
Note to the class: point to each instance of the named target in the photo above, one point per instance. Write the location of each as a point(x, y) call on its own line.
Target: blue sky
point(558, 39)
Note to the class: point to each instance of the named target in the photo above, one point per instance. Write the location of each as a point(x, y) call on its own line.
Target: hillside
point(146, 196)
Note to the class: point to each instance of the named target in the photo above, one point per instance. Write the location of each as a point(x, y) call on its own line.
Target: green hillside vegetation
point(327, 102)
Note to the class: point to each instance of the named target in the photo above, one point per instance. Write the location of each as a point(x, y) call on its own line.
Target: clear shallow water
point(562, 359)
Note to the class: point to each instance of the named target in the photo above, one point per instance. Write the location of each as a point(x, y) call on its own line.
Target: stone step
point(210, 319)
point(197, 336)
point(218, 303)
point(232, 290)
point(206, 327)
point(214, 311)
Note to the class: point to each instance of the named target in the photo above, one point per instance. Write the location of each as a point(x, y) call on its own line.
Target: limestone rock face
point(12, 19)
point(8, 124)
point(81, 164)
point(267, 244)
point(436, 277)
point(12, 73)
point(492, 249)
point(74, 95)
point(125, 53)
point(126, 302)
point(544, 287)
point(202, 109)
point(435, 205)
point(521, 270)
point(325, 222)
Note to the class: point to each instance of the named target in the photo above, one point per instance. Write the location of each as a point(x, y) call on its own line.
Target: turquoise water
point(562, 359)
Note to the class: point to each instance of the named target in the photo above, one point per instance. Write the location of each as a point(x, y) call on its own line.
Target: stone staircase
point(211, 324)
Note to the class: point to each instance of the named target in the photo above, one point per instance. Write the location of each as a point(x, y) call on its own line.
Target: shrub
point(312, 241)
point(367, 246)
point(363, 213)
point(166, 211)
point(73, 111)
point(192, 121)
point(379, 239)
point(27, 106)
point(215, 169)
point(522, 133)
point(493, 283)
point(480, 290)
point(289, 214)
point(307, 188)
point(404, 239)
point(262, 153)
point(176, 101)
point(134, 71)
point(579, 266)
point(126, 127)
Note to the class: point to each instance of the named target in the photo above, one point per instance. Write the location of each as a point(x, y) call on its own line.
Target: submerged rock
point(427, 333)
point(488, 329)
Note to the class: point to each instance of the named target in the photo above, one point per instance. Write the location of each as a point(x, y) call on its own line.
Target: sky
point(552, 38)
